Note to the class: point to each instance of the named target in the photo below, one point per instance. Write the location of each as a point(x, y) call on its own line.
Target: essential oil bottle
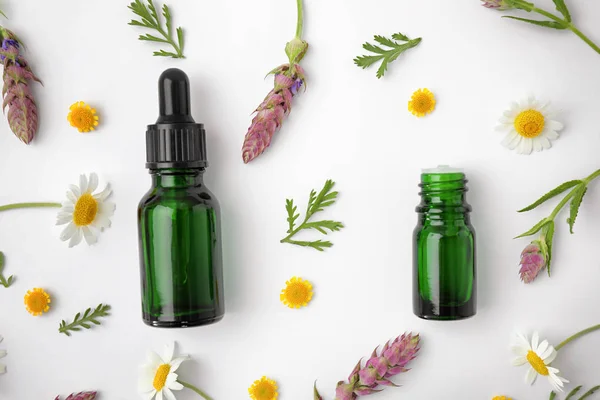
point(179, 218)
point(444, 265)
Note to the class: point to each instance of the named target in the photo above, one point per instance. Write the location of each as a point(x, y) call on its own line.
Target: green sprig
point(316, 204)
point(576, 192)
point(6, 282)
point(86, 320)
point(385, 56)
point(561, 22)
point(150, 19)
point(573, 392)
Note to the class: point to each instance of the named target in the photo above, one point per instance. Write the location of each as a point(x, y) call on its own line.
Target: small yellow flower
point(37, 301)
point(263, 389)
point(83, 117)
point(501, 398)
point(421, 103)
point(297, 293)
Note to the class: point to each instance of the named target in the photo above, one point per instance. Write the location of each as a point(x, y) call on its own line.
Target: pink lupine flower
point(22, 111)
point(533, 260)
point(392, 360)
point(497, 4)
point(289, 78)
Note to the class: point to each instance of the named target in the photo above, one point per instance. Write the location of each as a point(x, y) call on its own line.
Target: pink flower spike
point(533, 260)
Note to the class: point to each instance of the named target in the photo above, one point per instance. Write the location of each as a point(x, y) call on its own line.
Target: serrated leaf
point(563, 9)
point(150, 19)
point(163, 53)
point(547, 24)
point(536, 228)
point(575, 204)
point(84, 322)
point(386, 56)
point(321, 226)
point(554, 192)
point(400, 36)
point(317, 396)
point(292, 216)
point(549, 230)
point(151, 38)
point(180, 38)
point(167, 15)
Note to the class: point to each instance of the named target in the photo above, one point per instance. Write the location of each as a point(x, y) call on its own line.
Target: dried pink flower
point(22, 110)
point(533, 260)
point(80, 396)
point(497, 4)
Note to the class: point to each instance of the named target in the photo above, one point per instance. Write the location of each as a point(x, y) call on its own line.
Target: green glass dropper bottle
point(179, 218)
point(444, 273)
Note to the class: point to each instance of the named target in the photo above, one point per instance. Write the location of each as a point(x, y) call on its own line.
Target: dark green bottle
point(179, 218)
point(444, 267)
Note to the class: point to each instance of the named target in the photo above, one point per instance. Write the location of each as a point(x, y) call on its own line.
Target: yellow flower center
point(160, 379)
point(529, 123)
point(263, 389)
point(85, 210)
point(501, 398)
point(421, 103)
point(37, 301)
point(83, 117)
point(297, 293)
point(537, 363)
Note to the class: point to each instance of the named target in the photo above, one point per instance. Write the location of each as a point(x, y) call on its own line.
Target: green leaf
point(386, 56)
point(316, 393)
point(150, 19)
point(552, 395)
point(575, 204)
point(590, 392)
point(547, 24)
point(4, 281)
point(316, 203)
point(563, 9)
point(549, 233)
point(84, 322)
point(573, 392)
point(2, 13)
point(555, 192)
point(536, 228)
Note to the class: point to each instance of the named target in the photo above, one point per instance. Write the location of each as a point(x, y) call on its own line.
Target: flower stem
point(28, 205)
point(195, 389)
point(577, 336)
point(576, 31)
point(300, 23)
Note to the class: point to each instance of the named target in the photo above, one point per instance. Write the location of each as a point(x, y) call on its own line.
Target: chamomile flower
point(297, 293)
point(538, 356)
point(529, 126)
point(2, 355)
point(263, 389)
point(86, 213)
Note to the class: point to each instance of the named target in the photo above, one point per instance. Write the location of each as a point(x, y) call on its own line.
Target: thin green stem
point(28, 205)
point(171, 42)
point(592, 177)
point(549, 15)
point(195, 389)
point(300, 24)
point(568, 197)
point(577, 336)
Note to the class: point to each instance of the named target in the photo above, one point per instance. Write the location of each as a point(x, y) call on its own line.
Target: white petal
point(175, 386)
point(107, 208)
point(146, 380)
point(546, 144)
point(63, 219)
point(168, 352)
point(526, 146)
point(76, 239)
point(150, 395)
point(67, 207)
point(89, 236)
point(531, 376)
point(177, 362)
point(103, 195)
point(68, 232)
point(542, 348)
point(2, 353)
point(71, 196)
point(168, 394)
point(546, 353)
point(93, 183)
point(549, 358)
point(550, 134)
point(519, 361)
point(83, 183)
point(521, 340)
point(101, 222)
point(537, 145)
point(554, 125)
point(75, 189)
point(556, 382)
point(154, 359)
point(535, 341)
point(159, 395)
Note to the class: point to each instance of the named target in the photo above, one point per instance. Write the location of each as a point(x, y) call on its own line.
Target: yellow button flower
point(83, 117)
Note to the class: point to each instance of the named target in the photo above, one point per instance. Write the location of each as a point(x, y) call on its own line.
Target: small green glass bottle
point(444, 266)
point(179, 219)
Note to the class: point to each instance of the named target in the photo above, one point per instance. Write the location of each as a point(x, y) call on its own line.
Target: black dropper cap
point(176, 140)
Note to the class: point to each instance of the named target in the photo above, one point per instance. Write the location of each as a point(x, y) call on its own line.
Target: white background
point(349, 127)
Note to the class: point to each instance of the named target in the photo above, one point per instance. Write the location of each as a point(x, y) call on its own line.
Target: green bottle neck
point(443, 193)
point(177, 178)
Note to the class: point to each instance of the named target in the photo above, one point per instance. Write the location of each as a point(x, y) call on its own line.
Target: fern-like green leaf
point(386, 56)
point(150, 19)
point(563, 9)
point(316, 203)
point(89, 317)
point(554, 192)
point(6, 282)
point(575, 204)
